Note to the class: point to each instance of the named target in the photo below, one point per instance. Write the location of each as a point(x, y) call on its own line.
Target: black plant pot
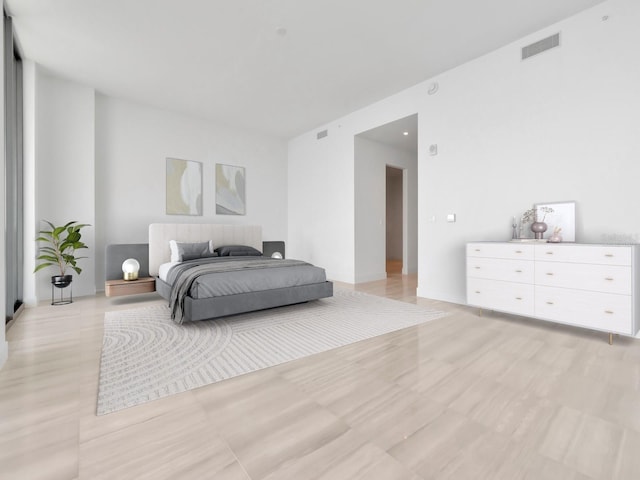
point(61, 281)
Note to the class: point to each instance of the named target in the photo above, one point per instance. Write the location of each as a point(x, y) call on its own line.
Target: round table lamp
point(130, 269)
point(276, 255)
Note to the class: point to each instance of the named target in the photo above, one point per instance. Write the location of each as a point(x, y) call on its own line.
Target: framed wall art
point(230, 190)
point(184, 187)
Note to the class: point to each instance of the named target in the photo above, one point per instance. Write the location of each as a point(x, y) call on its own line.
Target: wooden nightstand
point(115, 288)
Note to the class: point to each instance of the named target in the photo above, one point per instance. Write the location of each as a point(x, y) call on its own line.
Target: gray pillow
point(237, 251)
point(192, 250)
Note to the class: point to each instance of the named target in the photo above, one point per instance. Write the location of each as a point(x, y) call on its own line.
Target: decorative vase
point(538, 228)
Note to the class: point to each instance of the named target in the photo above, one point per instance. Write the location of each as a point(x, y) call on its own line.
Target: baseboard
point(4, 353)
point(441, 296)
point(371, 277)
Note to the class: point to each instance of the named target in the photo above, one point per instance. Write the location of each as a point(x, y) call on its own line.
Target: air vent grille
point(322, 134)
point(541, 46)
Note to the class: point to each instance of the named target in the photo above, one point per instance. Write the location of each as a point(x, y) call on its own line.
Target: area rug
point(146, 356)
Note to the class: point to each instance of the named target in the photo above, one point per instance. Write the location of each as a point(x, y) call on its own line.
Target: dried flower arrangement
point(531, 215)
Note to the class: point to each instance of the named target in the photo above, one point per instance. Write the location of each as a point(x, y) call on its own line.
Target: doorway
point(393, 145)
point(394, 221)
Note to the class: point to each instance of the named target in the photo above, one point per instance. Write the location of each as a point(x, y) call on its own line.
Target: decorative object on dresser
point(547, 217)
point(537, 217)
point(590, 286)
point(116, 256)
point(562, 216)
point(63, 241)
point(556, 237)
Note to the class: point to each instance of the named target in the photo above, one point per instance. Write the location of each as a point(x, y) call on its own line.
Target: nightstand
point(115, 288)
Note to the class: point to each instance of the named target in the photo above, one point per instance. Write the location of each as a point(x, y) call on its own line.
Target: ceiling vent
point(322, 134)
point(541, 46)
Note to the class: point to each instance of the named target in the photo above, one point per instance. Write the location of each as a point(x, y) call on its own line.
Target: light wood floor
point(463, 397)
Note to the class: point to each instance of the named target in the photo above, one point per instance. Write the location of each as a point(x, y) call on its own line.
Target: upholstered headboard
point(161, 233)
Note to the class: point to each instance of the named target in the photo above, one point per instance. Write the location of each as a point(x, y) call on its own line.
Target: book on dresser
point(586, 285)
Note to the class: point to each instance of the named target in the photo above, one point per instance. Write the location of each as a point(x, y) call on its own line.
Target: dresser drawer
point(502, 296)
point(594, 254)
point(512, 251)
point(520, 271)
point(600, 311)
point(596, 278)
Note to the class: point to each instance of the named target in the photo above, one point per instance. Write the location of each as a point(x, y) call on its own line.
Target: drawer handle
point(518, 251)
point(608, 255)
point(518, 271)
point(549, 303)
point(477, 249)
point(550, 274)
point(518, 298)
point(549, 253)
point(610, 279)
point(477, 268)
point(610, 312)
point(477, 291)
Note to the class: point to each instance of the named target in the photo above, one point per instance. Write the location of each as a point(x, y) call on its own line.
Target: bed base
point(208, 308)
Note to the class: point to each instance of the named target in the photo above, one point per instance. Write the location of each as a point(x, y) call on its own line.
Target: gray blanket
point(184, 276)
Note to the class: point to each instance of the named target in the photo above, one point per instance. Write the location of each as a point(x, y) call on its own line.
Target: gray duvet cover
point(213, 277)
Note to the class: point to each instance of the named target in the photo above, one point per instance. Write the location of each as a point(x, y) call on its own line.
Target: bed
point(230, 284)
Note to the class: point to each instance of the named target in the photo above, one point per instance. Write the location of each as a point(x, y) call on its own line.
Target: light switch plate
point(451, 217)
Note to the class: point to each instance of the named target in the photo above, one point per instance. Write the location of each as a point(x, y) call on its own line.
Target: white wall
point(559, 126)
point(371, 160)
point(132, 144)
point(321, 207)
point(102, 161)
point(59, 163)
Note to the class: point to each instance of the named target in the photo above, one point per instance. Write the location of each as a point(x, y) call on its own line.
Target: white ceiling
point(226, 62)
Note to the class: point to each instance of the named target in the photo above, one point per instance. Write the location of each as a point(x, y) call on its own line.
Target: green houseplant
point(62, 243)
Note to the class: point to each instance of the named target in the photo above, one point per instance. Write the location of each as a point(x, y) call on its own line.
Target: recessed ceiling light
point(281, 31)
point(405, 133)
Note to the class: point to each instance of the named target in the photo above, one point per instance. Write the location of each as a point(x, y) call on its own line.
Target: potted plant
point(60, 252)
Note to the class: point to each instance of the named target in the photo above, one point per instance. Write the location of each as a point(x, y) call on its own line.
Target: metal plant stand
point(62, 301)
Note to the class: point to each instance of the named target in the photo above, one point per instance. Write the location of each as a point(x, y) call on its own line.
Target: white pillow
point(173, 246)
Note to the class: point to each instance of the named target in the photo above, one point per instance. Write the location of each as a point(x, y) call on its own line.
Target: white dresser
point(591, 286)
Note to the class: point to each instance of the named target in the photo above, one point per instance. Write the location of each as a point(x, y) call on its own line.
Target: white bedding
point(163, 270)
